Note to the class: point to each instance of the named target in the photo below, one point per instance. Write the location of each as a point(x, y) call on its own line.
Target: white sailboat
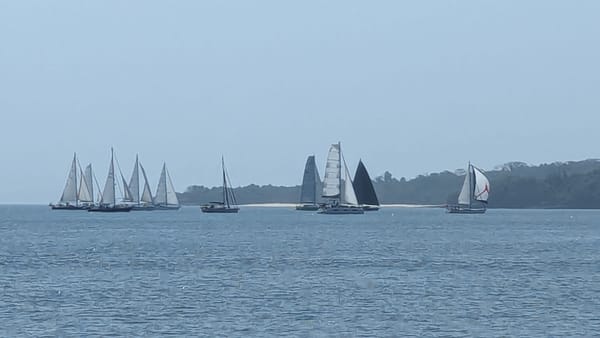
point(108, 201)
point(165, 198)
point(143, 202)
point(86, 188)
point(474, 194)
point(339, 192)
point(70, 198)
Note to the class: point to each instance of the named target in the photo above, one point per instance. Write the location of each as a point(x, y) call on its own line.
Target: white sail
point(349, 196)
point(85, 194)
point(331, 181)
point(165, 192)
point(146, 194)
point(70, 192)
point(465, 192)
point(171, 194)
point(482, 186)
point(134, 183)
point(127, 196)
point(88, 176)
point(108, 194)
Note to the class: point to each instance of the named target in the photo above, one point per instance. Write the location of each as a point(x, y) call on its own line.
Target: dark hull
point(342, 211)
point(69, 207)
point(111, 209)
point(307, 207)
point(221, 210)
point(166, 207)
point(453, 209)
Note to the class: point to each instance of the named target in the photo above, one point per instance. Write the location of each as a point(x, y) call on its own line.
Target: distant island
point(568, 185)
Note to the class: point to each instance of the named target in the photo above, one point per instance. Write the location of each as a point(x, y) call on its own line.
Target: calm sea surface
point(280, 272)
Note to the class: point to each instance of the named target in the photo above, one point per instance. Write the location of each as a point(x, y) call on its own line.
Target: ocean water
point(279, 272)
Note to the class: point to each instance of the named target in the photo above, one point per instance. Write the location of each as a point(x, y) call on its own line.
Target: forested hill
point(513, 185)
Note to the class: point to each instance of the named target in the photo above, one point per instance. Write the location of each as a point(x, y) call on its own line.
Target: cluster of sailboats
point(338, 193)
point(78, 193)
point(343, 195)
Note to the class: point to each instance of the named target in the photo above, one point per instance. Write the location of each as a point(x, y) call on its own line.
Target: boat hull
point(166, 207)
point(370, 207)
point(119, 208)
point(221, 210)
point(69, 207)
point(341, 210)
point(456, 209)
point(143, 208)
point(307, 207)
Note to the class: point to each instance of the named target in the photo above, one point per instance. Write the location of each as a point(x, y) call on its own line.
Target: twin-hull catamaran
point(363, 186)
point(341, 195)
point(108, 201)
point(474, 194)
point(228, 204)
point(310, 184)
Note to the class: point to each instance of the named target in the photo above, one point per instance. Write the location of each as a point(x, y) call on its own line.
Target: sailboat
point(165, 198)
point(310, 183)
point(108, 201)
point(340, 193)
point(86, 188)
point(145, 201)
point(363, 186)
point(69, 200)
point(229, 203)
point(474, 193)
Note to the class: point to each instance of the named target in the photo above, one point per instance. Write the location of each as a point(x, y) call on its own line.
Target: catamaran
point(474, 194)
point(363, 186)
point(108, 201)
point(165, 198)
point(310, 183)
point(75, 196)
point(340, 193)
point(229, 203)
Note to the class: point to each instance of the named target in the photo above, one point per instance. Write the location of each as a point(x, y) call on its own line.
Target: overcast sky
point(408, 86)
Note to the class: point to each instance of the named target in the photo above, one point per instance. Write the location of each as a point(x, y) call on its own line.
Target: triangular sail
point(229, 199)
point(108, 194)
point(331, 182)
point(349, 196)
point(85, 194)
point(161, 189)
point(310, 179)
point(134, 183)
point(147, 193)
point(465, 193)
point(363, 186)
point(481, 186)
point(88, 177)
point(70, 192)
point(127, 196)
point(171, 194)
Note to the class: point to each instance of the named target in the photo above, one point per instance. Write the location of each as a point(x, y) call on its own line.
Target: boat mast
point(471, 187)
point(340, 170)
point(225, 196)
point(76, 190)
point(315, 180)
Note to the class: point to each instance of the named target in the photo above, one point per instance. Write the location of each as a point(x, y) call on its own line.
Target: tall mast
point(315, 180)
point(340, 170)
point(471, 187)
point(76, 189)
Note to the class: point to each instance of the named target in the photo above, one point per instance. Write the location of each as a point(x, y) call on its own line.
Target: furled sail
point(70, 192)
point(482, 186)
point(308, 192)
point(331, 182)
point(363, 186)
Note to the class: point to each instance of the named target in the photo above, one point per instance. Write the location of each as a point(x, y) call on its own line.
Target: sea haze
point(276, 272)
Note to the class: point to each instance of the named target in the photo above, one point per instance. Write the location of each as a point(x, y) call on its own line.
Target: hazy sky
point(408, 86)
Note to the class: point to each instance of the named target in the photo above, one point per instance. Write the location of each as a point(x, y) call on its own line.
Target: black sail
point(310, 181)
point(363, 186)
